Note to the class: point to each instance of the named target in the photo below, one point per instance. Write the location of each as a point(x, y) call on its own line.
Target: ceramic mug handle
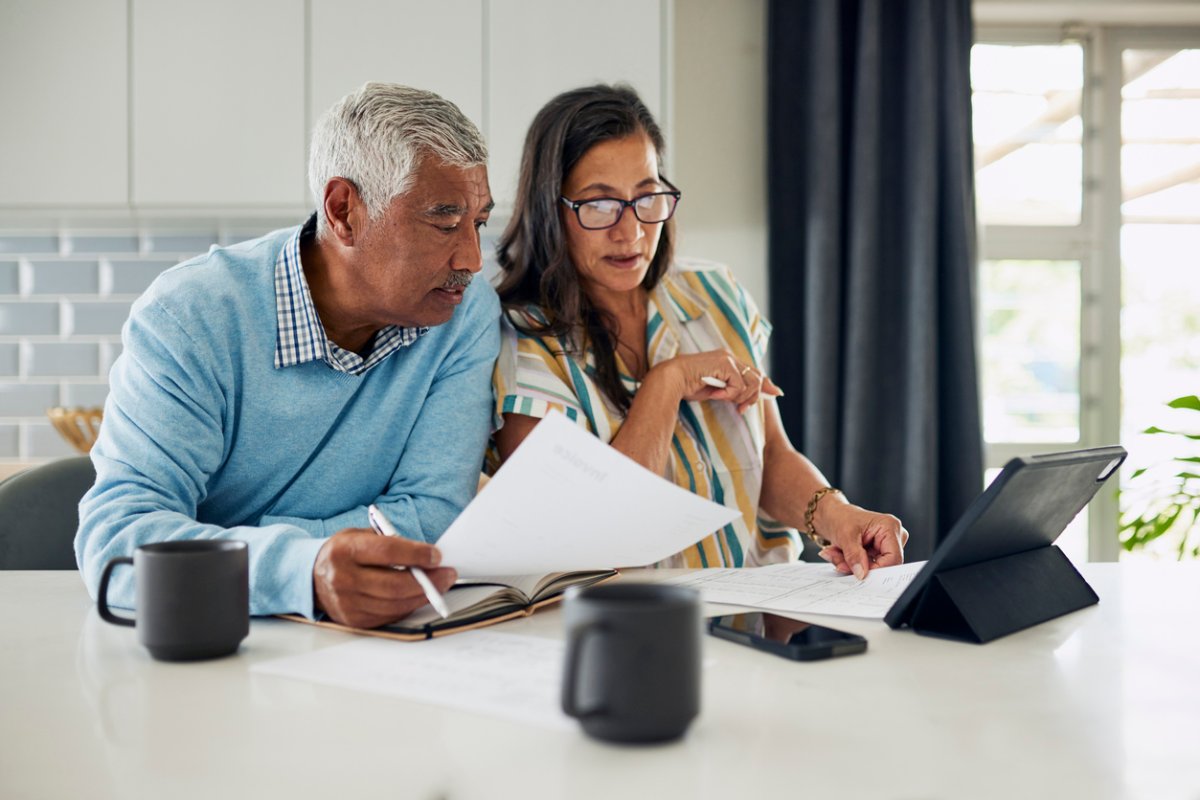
point(570, 679)
point(102, 595)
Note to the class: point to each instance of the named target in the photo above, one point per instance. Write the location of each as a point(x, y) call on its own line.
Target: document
point(803, 587)
point(567, 501)
point(499, 674)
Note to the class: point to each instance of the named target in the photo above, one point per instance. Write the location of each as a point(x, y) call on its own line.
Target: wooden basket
point(79, 426)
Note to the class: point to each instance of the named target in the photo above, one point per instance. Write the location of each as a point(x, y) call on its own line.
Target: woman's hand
point(743, 383)
point(860, 539)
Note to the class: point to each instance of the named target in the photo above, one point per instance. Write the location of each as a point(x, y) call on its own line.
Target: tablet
point(1026, 508)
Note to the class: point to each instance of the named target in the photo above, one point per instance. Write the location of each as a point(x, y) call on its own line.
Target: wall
point(719, 135)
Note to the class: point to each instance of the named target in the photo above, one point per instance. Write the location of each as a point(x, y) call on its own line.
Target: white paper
point(499, 674)
point(802, 587)
point(566, 501)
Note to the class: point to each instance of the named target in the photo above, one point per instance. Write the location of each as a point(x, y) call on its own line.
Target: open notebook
point(478, 602)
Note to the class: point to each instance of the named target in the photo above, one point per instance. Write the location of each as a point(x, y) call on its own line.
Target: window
point(1160, 258)
point(1029, 333)
point(1028, 158)
point(1087, 167)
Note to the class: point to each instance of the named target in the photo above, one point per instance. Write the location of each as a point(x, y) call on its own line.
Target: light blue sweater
point(204, 438)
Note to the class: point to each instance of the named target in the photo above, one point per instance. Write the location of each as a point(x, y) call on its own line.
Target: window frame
point(1095, 242)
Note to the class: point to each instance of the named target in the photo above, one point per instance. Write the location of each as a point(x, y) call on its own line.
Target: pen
point(384, 528)
point(716, 383)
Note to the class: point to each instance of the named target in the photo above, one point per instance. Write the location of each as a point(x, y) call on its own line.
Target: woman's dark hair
point(533, 249)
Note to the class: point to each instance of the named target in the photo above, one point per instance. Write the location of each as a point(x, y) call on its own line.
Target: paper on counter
point(499, 674)
point(564, 501)
point(803, 587)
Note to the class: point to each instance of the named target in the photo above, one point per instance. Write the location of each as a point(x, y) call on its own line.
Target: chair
point(39, 514)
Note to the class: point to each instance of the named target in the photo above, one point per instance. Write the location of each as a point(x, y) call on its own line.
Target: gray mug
point(632, 671)
point(192, 597)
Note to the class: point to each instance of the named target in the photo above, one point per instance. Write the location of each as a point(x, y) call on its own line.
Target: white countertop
point(1103, 703)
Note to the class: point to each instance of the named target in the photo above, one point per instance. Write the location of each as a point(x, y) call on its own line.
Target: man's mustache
point(460, 278)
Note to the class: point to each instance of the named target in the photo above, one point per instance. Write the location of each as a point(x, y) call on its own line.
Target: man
point(272, 390)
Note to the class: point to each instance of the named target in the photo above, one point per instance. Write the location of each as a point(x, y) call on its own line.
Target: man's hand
point(354, 583)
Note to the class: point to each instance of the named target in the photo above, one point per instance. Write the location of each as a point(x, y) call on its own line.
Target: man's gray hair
point(376, 137)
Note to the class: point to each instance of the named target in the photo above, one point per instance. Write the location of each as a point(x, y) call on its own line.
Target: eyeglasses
point(605, 212)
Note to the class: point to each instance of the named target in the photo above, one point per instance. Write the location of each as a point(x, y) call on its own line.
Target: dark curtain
point(872, 246)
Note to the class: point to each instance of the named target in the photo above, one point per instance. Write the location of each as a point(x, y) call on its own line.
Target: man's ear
point(344, 210)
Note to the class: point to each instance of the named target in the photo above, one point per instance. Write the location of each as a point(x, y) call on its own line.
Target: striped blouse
point(715, 452)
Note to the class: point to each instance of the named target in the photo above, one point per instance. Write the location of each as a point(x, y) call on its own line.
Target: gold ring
point(744, 371)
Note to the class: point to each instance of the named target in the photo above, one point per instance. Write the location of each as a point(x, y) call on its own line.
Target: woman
point(663, 360)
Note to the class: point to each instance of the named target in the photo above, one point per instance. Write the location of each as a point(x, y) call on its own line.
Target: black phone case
point(808, 653)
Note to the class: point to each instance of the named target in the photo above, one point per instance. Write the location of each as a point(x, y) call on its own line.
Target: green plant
point(1167, 504)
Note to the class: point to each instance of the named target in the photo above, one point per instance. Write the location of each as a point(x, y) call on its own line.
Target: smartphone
point(785, 636)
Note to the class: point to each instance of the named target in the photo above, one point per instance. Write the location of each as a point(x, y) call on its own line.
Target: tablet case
point(984, 601)
point(998, 571)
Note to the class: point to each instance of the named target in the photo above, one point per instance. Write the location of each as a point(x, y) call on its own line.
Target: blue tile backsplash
point(63, 300)
point(105, 244)
point(9, 358)
point(28, 244)
point(63, 277)
point(10, 277)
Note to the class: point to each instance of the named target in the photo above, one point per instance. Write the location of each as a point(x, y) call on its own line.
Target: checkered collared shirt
point(302, 336)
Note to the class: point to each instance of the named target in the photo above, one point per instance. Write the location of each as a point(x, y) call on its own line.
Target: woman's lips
point(624, 262)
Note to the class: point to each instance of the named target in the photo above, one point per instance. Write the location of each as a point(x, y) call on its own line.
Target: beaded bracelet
point(810, 531)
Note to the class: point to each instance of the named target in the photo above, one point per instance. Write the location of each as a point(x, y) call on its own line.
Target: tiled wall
point(63, 300)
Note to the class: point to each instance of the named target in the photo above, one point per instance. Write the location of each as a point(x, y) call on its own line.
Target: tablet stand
point(989, 599)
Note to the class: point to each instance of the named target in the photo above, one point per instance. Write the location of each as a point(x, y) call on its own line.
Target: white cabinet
point(218, 103)
point(434, 46)
point(165, 105)
point(538, 48)
point(63, 89)
point(499, 60)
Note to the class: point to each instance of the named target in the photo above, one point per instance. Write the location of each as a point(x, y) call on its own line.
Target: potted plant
point(1166, 504)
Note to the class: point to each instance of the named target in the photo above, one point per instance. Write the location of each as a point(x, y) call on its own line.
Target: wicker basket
point(79, 426)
